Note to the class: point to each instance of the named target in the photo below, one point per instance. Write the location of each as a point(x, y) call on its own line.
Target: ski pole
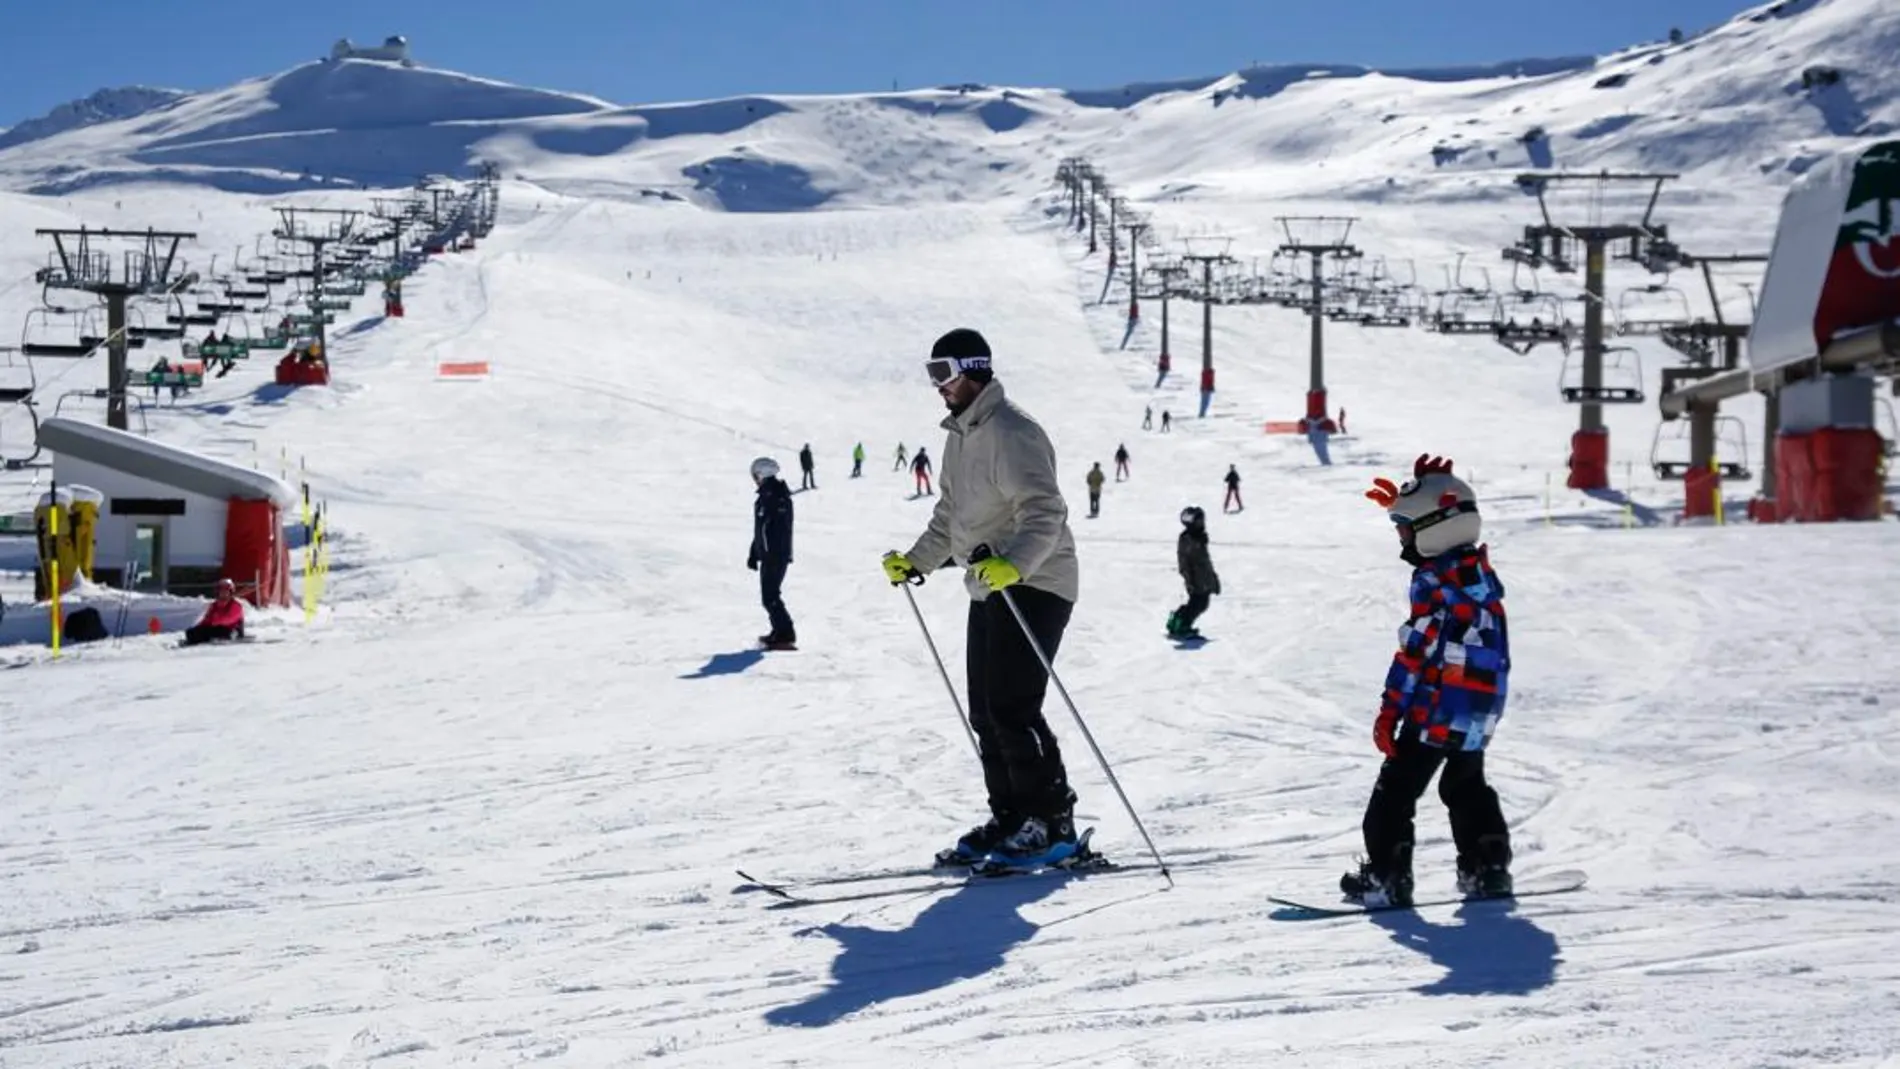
point(981, 552)
point(962, 717)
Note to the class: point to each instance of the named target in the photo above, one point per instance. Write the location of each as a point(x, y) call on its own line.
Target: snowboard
point(1554, 883)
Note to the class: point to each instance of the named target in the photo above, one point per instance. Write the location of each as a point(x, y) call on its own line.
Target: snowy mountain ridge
point(1754, 101)
point(106, 105)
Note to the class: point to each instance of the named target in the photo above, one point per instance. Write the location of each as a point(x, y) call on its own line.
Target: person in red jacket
point(222, 621)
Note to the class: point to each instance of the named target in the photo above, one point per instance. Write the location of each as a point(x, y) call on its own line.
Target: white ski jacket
point(998, 487)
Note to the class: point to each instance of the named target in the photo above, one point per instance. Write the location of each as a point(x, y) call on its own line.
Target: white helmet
point(764, 468)
point(1437, 510)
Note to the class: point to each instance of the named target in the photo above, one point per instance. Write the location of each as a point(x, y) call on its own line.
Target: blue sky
point(646, 51)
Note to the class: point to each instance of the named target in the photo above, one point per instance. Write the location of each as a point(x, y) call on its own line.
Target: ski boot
point(1179, 630)
point(787, 641)
point(1371, 888)
point(1038, 842)
point(1489, 874)
point(976, 844)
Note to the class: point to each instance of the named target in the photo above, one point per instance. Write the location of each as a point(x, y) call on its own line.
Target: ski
point(922, 878)
point(1555, 883)
point(787, 899)
point(784, 886)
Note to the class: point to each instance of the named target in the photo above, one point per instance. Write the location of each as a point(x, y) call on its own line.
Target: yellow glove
point(996, 573)
point(898, 568)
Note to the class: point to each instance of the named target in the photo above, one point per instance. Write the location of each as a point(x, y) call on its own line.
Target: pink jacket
point(224, 614)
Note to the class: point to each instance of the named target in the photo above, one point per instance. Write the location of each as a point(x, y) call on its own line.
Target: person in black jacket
point(1197, 570)
point(807, 481)
point(772, 550)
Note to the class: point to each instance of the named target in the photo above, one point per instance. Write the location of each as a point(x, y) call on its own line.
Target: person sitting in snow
point(223, 619)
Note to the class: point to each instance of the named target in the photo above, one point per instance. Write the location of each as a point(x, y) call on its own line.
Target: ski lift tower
point(145, 271)
point(318, 227)
point(1201, 250)
point(1556, 245)
point(1319, 237)
point(1135, 230)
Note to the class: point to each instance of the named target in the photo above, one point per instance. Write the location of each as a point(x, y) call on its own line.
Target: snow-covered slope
point(487, 810)
point(1729, 104)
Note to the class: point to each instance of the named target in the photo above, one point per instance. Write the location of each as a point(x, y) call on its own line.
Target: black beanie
point(960, 342)
point(964, 342)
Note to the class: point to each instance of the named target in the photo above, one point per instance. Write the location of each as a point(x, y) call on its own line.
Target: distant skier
point(1148, 418)
point(1095, 480)
point(1232, 479)
point(1000, 490)
point(223, 619)
point(902, 458)
point(1197, 571)
point(772, 551)
point(1121, 463)
point(1444, 693)
point(1167, 421)
point(920, 468)
point(807, 481)
point(857, 460)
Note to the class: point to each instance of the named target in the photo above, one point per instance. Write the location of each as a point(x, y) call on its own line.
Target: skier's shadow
point(1493, 951)
point(961, 935)
point(726, 664)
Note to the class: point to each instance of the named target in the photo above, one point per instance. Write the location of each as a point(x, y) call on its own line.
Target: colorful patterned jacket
point(1448, 679)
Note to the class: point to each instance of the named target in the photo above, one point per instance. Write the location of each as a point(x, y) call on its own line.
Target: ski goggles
point(944, 370)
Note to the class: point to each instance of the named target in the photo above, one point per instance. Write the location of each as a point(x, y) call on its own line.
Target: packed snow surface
point(486, 809)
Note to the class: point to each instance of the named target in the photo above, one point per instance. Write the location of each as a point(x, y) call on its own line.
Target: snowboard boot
point(1371, 886)
point(976, 844)
point(776, 641)
point(1489, 874)
point(1037, 842)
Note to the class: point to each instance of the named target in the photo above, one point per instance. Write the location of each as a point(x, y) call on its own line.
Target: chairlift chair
point(1467, 313)
point(17, 381)
point(92, 329)
point(1670, 455)
point(1657, 305)
point(1622, 378)
point(17, 384)
point(41, 336)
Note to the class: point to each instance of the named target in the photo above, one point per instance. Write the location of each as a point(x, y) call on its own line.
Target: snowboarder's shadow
point(963, 934)
point(1492, 951)
point(727, 664)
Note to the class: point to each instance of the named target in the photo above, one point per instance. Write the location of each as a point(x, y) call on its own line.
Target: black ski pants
point(1022, 765)
point(1196, 605)
point(199, 634)
point(771, 577)
point(1477, 823)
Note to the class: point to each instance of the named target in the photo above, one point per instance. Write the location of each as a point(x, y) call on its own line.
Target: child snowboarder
point(1443, 695)
point(1197, 570)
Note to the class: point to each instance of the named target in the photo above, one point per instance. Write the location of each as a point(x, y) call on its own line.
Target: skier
point(1443, 696)
point(1167, 421)
point(1095, 480)
point(223, 619)
point(772, 550)
point(920, 468)
point(1000, 492)
point(1148, 418)
point(806, 481)
point(901, 458)
point(857, 460)
point(1197, 570)
point(1121, 463)
point(1232, 479)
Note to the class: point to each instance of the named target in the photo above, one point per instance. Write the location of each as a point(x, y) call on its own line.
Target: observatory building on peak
point(394, 49)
